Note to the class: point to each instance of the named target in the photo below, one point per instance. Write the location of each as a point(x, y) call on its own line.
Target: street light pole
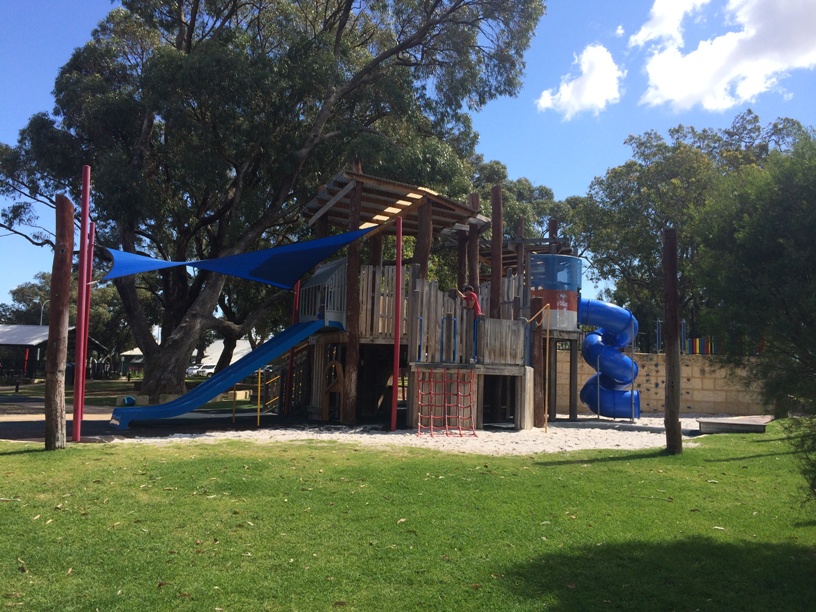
point(42, 307)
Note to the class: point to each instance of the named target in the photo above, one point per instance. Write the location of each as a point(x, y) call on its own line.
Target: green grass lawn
point(319, 526)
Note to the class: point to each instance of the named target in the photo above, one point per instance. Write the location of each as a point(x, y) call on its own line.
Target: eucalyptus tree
point(210, 124)
point(625, 212)
point(757, 271)
point(666, 183)
point(522, 201)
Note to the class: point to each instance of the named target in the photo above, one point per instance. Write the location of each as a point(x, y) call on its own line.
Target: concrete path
point(22, 419)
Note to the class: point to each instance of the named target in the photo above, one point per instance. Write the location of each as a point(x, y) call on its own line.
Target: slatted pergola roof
point(383, 201)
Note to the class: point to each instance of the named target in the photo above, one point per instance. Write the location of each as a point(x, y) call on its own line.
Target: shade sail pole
point(290, 371)
point(83, 290)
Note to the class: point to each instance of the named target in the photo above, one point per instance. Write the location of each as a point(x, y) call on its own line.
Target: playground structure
point(364, 326)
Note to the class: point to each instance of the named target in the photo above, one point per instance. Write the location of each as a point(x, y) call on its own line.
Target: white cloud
point(597, 85)
point(666, 22)
point(619, 31)
point(768, 38)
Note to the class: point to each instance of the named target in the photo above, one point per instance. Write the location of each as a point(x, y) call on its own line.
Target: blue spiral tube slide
point(608, 393)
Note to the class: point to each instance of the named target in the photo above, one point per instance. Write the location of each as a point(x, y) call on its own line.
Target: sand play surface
point(587, 433)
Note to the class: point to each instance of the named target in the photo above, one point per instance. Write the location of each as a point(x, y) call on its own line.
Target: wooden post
point(57, 351)
point(671, 315)
point(496, 244)
point(552, 232)
point(375, 253)
point(553, 381)
point(446, 355)
point(473, 245)
point(520, 250)
point(537, 361)
point(395, 381)
point(348, 409)
point(422, 249)
point(461, 259)
point(573, 381)
point(496, 272)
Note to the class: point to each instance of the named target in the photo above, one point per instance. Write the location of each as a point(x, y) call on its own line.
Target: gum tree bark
point(57, 351)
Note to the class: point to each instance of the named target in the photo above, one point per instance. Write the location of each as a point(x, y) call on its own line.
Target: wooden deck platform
point(740, 424)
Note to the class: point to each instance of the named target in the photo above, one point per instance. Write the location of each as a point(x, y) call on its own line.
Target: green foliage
point(757, 274)
point(756, 270)
point(317, 525)
point(623, 219)
point(802, 434)
point(522, 202)
point(668, 184)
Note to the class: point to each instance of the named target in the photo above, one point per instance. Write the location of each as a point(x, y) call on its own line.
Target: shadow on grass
point(747, 457)
point(653, 454)
point(23, 451)
point(692, 574)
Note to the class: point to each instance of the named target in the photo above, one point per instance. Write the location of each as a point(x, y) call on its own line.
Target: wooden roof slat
point(332, 202)
point(386, 199)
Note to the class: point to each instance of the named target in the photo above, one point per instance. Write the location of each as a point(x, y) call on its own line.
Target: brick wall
point(704, 387)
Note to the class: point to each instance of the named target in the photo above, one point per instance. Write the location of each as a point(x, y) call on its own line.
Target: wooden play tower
point(459, 371)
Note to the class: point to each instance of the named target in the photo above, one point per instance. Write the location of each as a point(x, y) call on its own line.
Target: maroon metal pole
point(89, 284)
point(397, 327)
point(80, 356)
point(289, 371)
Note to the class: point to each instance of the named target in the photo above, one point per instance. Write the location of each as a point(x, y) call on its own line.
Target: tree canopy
point(666, 183)
point(756, 271)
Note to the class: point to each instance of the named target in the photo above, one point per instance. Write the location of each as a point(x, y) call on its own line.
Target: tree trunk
point(671, 307)
point(57, 351)
point(165, 363)
point(225, 359)
point(165, 366)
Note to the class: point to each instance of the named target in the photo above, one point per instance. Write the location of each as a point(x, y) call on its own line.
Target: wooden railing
point(377, 303)
point(435, 325)
point(444, 331)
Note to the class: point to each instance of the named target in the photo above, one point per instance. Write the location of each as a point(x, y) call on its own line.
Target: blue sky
point(597, 71)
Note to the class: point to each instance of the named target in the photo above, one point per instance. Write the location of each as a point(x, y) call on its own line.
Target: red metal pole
point(397, 327)
point(289, 371)
point(89, 284)
point(82, 306)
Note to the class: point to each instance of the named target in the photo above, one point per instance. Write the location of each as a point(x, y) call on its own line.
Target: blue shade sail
point(126, 264)
point(279, 266)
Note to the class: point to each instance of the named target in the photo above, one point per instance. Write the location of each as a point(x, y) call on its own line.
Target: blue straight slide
point(608, 393)
point(224, 380)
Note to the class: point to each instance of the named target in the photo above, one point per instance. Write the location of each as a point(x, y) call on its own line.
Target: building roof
point(23, 335)
point(33, 335)
point(383, 201)
point(211, 353)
